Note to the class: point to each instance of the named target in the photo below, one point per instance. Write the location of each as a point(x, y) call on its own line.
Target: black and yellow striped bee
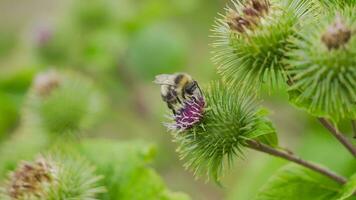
point(177, 88)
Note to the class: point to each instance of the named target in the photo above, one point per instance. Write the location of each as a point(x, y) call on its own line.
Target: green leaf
point(269, 134)
point(295, 182)
point(348, 189)
point(125, 171)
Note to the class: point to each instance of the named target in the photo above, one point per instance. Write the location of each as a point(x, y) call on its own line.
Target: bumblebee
point(177, 88)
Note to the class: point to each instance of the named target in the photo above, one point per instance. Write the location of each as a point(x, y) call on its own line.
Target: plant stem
point(333, 130)
point(293, 158)
point(338, 135)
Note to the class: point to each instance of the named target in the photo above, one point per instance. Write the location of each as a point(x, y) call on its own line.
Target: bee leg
point(171, 107)
point(183, 94)
point(200, 91)
point(179, 101)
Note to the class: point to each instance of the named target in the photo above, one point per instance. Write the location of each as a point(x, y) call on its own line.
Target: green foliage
point(13, 85)
point(332, 4)
point(22, 145)
point(124, 166)
point(256, 56)
point(93, 15)
point(7, 42)
point(101, 51)
point(17, 81)
point(324, 79)
point(53, 47)
point(294, 183)
point(8, 113)
point(348, 189)
point(64, 103)
point(261, 168)
point(99, 39)
point(153, 51)
point(230, 119)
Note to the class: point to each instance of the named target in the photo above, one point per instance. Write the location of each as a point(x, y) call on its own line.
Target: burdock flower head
point(52, 177)
point(212, 129)
point(253, 39)
point(30, 179)
point(322, 66)
point(251, 14)
point(188, 115)
point(337, 34)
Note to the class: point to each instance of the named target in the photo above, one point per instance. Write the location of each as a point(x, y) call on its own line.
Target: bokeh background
point(121, 45)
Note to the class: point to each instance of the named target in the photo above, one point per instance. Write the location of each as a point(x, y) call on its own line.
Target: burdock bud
point(337, 34)
point(213, 130)
point(52, 177)
point(253, 40)
point(322, 66)
point(64, 103)
point(46, 82)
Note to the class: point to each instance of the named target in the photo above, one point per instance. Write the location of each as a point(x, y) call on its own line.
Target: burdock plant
point(304, 45)
point(253, 39)
point(52, 177)
point(323, 66)
point(63, 102)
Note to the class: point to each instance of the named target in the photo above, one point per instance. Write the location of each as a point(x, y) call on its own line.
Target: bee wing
point(164, 79)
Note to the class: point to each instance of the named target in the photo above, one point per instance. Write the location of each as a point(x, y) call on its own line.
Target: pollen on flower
point(189, 115)
point(29, 179)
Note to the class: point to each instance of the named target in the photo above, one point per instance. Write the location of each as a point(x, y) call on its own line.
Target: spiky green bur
point(127, 175)
point(64, 103)
point(323, 66)
point(251, 42)
point(230, 118)
point(52, 178)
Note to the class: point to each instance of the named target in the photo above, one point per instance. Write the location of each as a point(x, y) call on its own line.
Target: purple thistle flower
point(189, 115)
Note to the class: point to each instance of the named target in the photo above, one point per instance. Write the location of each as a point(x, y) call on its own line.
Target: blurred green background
point(121, 45)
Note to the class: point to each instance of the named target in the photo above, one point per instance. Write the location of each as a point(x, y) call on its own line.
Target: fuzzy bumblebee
point(183, 97)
